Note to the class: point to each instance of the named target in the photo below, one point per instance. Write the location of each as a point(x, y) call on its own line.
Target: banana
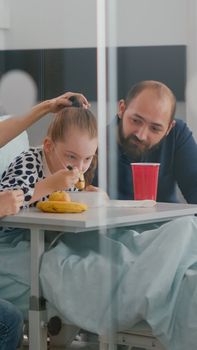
point(61, 207)
point(60, 196)
point(81, 182)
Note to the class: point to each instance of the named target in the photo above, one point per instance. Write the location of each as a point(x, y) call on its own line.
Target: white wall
point(151, 22)
point(4, 21)
point(72, 23)
point(191, 91)
point(51, 24)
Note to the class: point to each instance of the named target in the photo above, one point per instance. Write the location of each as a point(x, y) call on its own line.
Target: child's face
point(77, 150)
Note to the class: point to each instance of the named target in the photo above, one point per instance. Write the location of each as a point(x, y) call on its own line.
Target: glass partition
point(100, 49)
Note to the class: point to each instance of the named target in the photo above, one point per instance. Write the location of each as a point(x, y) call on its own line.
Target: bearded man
point(145, 131)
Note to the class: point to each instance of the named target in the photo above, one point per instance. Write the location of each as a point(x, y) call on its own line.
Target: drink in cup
point(145, 180)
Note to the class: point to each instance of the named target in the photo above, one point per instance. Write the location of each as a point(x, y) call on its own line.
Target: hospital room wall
point(38, 24)
point(151, 36)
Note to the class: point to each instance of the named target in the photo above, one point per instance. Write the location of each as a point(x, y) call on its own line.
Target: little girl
point(71, 143)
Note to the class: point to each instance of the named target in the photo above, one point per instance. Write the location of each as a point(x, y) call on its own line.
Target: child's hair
point(80, 118)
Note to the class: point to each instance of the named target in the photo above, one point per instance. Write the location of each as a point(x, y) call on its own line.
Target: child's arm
point(61, 180)
point(26, 173)
point(23, 173)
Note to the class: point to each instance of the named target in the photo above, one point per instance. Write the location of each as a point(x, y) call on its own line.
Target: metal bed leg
point(107, 346)
point(64, 338)
point(37, 313)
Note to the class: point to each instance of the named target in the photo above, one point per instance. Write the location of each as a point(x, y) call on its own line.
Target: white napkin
point(146, 203)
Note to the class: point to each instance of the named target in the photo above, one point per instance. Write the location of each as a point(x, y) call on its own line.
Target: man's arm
point(185, 163)
point(12, 127)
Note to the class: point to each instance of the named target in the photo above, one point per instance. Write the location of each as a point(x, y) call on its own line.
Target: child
point(11, 320)
point(11, 127)
point(71, 142)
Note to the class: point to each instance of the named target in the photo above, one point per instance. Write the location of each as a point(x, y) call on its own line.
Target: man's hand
point(10, 202)
point(58, 103)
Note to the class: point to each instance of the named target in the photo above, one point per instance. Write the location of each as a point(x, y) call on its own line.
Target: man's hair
point(161, 89)
point(80, 118)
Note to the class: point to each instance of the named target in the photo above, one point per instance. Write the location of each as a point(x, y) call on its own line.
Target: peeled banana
point(60, 196)
point(61, 207)
point(81, 182)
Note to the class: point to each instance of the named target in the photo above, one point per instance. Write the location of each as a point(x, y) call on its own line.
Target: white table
point(95, 218)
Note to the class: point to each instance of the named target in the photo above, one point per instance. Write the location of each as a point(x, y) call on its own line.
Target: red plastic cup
point(145, 180)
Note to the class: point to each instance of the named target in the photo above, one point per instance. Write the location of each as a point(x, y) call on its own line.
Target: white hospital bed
point(139, 337)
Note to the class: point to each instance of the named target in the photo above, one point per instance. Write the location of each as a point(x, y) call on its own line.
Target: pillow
point(13, 148)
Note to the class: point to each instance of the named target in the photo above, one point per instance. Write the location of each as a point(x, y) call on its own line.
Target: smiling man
point(146, 117)
point(146, 131)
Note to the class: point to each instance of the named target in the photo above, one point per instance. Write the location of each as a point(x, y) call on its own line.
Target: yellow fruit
point(59, 196)
point(81, 182)
point(61, 207)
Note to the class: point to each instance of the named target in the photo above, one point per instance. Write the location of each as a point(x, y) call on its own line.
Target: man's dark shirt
point(177, 155)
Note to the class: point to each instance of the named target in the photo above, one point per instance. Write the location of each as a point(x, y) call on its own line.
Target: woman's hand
point(58, 103)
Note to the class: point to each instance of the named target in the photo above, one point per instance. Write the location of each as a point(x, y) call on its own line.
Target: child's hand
point(63, 179)
point(92, 188)
point(59, 181)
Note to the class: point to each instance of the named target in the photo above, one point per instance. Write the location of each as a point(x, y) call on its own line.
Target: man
point(146, 131)
point(11, 320)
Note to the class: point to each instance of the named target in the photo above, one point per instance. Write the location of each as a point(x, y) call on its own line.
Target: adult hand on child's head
point(10, 202)
point(58, 103)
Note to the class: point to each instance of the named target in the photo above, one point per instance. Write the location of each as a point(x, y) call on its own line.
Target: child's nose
point(80, 165)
